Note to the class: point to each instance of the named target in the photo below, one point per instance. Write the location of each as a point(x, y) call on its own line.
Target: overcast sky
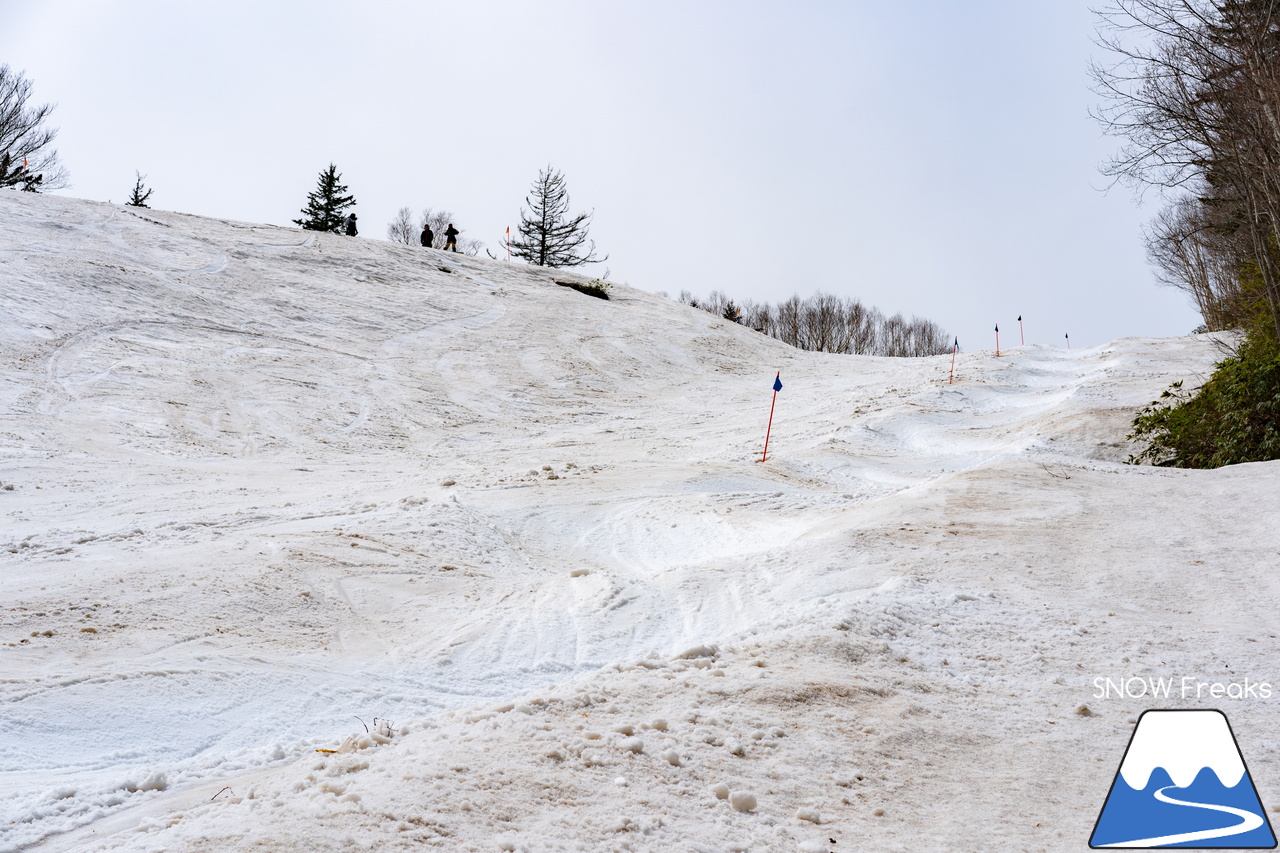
point(930, 157)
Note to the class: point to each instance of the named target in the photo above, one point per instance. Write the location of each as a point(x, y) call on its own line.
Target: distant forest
point(827, 323)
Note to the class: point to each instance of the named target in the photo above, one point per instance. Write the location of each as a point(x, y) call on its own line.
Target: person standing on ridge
point(427, 237)
point(451, 238)
point(351, 226)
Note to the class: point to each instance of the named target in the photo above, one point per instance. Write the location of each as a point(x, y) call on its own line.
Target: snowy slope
point(265, 481)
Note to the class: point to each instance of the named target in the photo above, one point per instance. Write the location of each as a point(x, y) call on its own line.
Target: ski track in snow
point(265, 482)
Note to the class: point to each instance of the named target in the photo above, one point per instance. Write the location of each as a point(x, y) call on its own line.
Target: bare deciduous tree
point(27, 157)
point(1194, 90)
point(402, 229)
point(1193, 254)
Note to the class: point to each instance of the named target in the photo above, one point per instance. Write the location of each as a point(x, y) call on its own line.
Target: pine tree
point(139, 197)
point(16, 175)
point(549, 237)
point(326, 207)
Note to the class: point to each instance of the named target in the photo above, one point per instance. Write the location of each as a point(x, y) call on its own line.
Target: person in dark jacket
point(451, 238)
point(427, 236)
point(351, 225)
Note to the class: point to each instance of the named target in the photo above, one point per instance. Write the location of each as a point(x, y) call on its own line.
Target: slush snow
point(262, 486)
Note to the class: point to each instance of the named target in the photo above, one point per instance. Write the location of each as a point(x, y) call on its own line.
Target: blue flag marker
point(777, 386)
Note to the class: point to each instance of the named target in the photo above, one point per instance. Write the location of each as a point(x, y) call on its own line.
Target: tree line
point(1192, 87)
point(824, 322)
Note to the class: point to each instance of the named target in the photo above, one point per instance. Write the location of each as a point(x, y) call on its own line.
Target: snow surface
point(265, 482)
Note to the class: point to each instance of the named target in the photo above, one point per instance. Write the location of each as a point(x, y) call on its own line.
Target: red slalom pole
point(1024, 337)
point(955, 350)
point(997, 340)
point(777, 386)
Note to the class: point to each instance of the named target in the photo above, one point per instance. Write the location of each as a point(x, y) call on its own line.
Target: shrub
point(1234, 417)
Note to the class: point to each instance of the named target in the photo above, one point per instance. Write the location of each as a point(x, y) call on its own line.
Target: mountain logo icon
point(1183, 783)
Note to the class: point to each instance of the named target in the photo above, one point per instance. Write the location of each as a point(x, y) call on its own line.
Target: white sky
point(930, 157)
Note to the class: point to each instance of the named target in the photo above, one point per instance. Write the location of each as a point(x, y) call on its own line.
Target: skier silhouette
point(427, 237)
point(351, 226)
point(451, 238)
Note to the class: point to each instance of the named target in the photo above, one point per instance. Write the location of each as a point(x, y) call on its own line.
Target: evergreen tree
point(140, 192)
point(18, 175)
point(326, 207)
point(549, 237)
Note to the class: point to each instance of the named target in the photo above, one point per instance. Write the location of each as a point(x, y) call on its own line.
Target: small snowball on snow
point(625, 728)
point(621, 781)
point(743, 801)
point(808, 816)
point(633, 744)
point(672, 757)
point(777, 732)
point(757, 735)
point(507, 845)
point(735, 746)
point(721, 791)
point(659, 724)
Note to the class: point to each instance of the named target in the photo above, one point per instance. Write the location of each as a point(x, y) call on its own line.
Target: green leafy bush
point(1234, 417)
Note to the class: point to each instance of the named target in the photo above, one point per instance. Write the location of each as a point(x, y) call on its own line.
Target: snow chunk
point(155, 782)
point(743, 801)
